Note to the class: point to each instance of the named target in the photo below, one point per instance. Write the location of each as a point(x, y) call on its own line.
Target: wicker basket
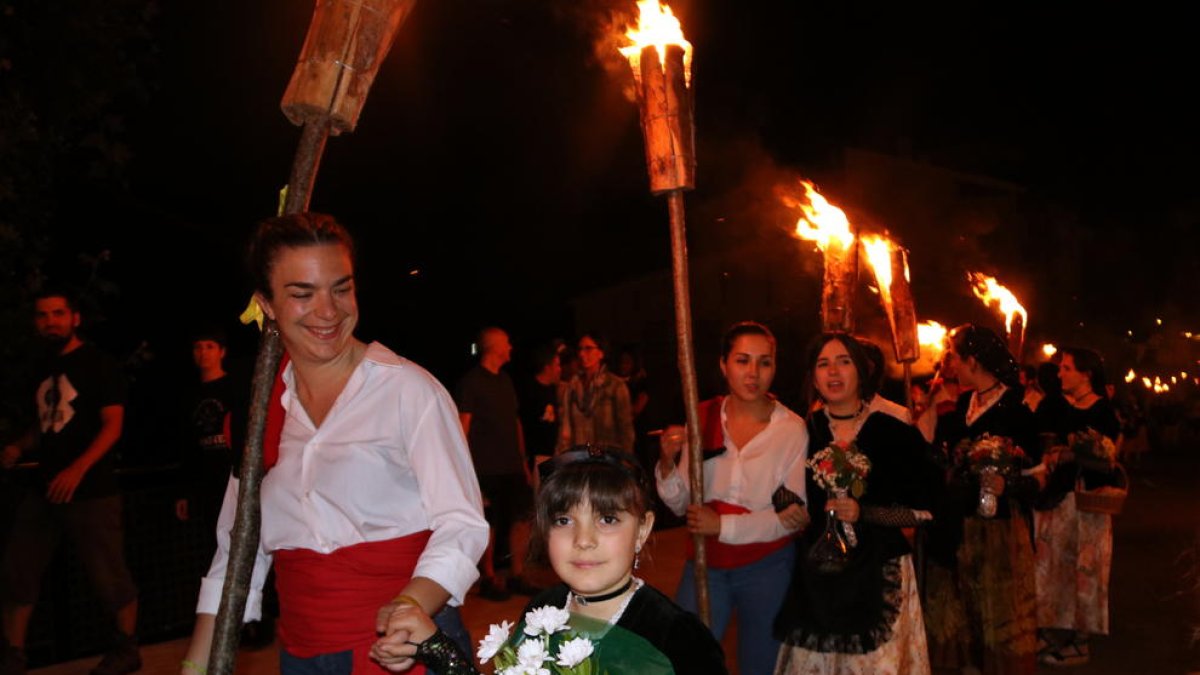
point(1109, 499)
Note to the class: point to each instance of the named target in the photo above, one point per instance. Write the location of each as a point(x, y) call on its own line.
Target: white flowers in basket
point(547, 647)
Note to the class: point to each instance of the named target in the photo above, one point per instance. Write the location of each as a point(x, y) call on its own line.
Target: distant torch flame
point(1049, 350)
point(1148, 384)
point(932, 336)
point(991, 292)
point(657, 27)
point(1130, 376)
point(822, 222)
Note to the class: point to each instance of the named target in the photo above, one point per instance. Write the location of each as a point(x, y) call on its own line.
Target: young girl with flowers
point(593, 518)
point(874, 475)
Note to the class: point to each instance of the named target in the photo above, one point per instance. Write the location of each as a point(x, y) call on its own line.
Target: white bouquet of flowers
point(547, 646)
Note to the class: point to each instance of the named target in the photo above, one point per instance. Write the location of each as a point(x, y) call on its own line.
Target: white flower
point(533, 653)
point(547, 619)
point(497, 635)
point(573, 652)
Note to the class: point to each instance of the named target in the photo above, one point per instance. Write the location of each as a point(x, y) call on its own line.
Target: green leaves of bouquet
point(546, 646)
point(841, 466)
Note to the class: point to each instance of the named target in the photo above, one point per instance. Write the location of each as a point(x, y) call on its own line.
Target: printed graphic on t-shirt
point(208, 419)
point(54, 398)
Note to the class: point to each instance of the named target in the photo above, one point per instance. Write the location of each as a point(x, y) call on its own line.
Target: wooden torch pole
point(346, 42)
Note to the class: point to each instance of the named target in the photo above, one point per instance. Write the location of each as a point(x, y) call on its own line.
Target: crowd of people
point(850, 535)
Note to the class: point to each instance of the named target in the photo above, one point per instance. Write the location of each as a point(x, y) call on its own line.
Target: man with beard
point(80, 406)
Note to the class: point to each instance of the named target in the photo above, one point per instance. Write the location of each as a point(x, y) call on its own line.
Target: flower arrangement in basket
point(993, 455)
point(1095, 451)
point(840, 469)
point(547, 646)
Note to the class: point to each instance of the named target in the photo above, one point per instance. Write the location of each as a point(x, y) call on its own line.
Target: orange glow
point(822, 222)
point(878, 252)
point(1146, 381)
point(991, 292)
point(1130, 376)
point(656, 27)
point(931, 335)
point(1049, 350)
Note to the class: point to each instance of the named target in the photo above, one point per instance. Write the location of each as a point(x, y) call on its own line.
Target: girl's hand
point(703, 520)
point(794, 517)
point(845, 509)
point(992, 482)
point(406, 626)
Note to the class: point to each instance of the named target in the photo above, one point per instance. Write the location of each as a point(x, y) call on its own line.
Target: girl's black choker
point(586, 600)
point(832, 415)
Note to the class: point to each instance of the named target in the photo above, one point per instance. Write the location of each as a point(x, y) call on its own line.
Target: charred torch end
point(903, 313)
point(837, 293)
point(666, 104)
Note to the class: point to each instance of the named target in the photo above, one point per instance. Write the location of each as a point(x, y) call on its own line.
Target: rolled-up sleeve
point(213, 583)
point(673, 489)
point(449, 493)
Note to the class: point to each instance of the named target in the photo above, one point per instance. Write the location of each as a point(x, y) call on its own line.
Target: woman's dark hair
point(611, 481)
point(291, 231)
point(1088, 361)
point(600, 340)
point(990, 352)
point(741, 328)
point(858, 356)
point(1047, 379)
point(875, 356)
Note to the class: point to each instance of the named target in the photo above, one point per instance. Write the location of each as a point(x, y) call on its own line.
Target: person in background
point(538, 398)
point(595, 403)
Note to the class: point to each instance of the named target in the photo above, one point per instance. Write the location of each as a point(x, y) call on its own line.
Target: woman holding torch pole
point(753, 493)
point(370, 502)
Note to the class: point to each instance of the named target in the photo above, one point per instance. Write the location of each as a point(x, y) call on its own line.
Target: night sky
point(497, 170)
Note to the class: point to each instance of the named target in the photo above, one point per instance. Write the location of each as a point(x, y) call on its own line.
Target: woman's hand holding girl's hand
point(404, 626)
point(670, 445)
point(844, 508)
point(703, 520)
point(794, 517)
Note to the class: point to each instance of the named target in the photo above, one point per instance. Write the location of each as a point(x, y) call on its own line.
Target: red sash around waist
point(328, 601)
point(726, 556)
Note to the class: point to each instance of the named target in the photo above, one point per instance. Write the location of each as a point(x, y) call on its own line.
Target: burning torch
point(828, 226)
point(661, 61)
point(889, 262)
point(347, 40)
point(1016, 319)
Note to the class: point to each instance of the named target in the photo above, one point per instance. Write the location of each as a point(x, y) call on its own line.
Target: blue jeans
point(341, 663)
point(756, 592)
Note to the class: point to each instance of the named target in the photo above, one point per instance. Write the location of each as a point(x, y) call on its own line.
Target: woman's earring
point(637, 557)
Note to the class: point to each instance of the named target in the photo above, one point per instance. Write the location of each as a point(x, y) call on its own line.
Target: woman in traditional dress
point(369, 502)
point(593, 519)
point(754, 449)
point(1074, 547)
point(865, 617)
point(993, 555)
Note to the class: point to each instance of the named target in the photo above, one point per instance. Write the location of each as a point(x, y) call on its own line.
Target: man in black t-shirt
point(81, 407)
point(216, 410)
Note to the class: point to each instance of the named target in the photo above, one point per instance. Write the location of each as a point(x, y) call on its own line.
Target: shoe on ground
point(519, 586)
point(1066, 656)
point(490, 590)
point(122, 659)
point(12, 661)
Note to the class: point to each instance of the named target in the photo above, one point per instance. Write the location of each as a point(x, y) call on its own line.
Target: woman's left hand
point(794, 517)
point(845, 508)
point(404, 626)
point(703, 520)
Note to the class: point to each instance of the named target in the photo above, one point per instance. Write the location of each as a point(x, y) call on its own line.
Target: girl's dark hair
point(610, 481)
point(741, 328)
point(867, 379)
point(990, 352)
point(1088, 361)
point(291, 231)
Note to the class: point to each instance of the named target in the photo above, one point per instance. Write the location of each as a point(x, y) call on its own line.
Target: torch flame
point(822, 222)
point(1130, 376)
point(991, 292)
point(878, 250)
point(931, 335)
point(657, 27)
point(1049, 350)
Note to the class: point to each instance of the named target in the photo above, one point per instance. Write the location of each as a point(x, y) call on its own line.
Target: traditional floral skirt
point(1074, 559)
point(904, 653)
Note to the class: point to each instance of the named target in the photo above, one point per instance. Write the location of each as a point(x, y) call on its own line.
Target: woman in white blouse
point(369, 501)
point(754, 450)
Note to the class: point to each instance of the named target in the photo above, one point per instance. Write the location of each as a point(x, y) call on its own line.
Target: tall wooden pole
point(346, 42)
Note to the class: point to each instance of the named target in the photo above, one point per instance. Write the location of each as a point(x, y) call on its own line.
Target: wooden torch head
point(346, 42)
point(665, 102)
point(837, 291)
point(903, 313)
